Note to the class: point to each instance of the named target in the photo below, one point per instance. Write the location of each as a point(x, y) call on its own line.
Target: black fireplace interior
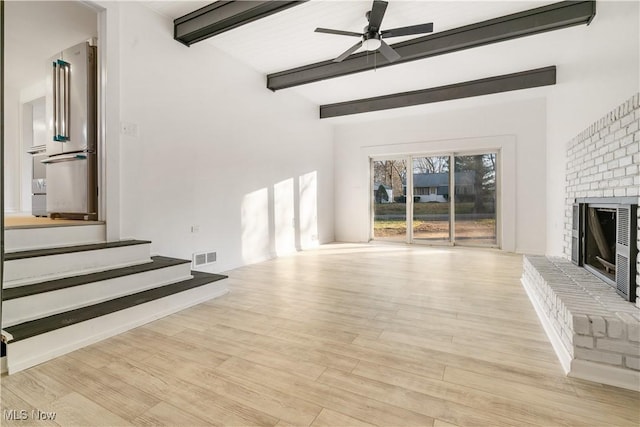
point(600, 250)
point(603, 240)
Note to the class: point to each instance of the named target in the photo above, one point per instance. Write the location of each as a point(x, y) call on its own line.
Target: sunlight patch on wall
point(308, 199)
point(284, 217)
point(255, 226)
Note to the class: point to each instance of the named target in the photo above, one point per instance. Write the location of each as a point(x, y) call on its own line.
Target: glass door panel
point(431, 207)
point(475, 199)
point(389, 200)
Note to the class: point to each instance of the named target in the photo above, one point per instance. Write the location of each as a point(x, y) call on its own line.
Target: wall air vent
point(204, 258)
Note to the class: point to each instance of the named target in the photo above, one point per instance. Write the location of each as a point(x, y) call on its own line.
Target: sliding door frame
point(408, 158)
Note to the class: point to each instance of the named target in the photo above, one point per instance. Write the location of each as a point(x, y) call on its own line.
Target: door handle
point(67, 101)
point(64, 158)
point(37, 149)
point(56, 85)
point(61, 100)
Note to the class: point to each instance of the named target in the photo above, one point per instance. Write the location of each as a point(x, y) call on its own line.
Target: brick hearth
point(591, 322)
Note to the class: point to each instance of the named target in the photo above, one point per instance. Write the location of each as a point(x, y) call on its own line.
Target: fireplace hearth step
point(594, 332)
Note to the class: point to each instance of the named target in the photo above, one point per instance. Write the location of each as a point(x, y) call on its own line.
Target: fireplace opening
point(604, 241)
point(600, 239)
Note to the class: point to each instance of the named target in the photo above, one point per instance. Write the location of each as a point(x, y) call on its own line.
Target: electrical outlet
point(195, 228)
point(129, 129)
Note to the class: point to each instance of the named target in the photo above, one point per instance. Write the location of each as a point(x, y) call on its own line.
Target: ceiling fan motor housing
point(370, 40)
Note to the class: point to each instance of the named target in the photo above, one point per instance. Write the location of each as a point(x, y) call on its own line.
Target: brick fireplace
point(603, 162)
point(594, 330)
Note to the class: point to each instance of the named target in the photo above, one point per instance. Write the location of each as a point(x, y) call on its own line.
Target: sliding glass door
point(431, 207)
point(389, 200)
point(446, 199)
point(475, 200)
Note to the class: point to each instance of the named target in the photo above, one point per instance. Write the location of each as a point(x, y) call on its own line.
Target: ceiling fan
point(372, 37)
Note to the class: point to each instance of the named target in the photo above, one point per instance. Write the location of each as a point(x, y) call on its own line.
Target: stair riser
point(32, 307)
point(32, 351)
point(37, 269)
point(20, 239)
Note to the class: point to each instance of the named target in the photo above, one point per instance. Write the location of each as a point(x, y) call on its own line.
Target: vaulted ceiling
point(287, 39)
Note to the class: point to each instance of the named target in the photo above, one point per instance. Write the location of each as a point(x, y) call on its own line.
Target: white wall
point(517, 127)
point(251, 169)
point(598, 69)
point(30, 40)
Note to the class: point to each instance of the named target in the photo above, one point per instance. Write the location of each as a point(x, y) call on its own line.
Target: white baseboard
point(29, 352)
point(605, 374)
point(561, 351)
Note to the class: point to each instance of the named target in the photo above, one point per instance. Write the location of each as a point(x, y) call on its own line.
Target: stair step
point(32, 253)
point(29, 302)
point(32, 266)
point(68, 282)
point(22, 239)
point(47, 324)
point(41, 340)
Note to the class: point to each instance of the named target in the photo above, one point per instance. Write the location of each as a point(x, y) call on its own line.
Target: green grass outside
point(421, 208)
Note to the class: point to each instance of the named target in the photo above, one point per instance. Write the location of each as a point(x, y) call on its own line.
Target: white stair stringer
point(45, 304)
point(23, 271)
point(22, 239)
point(29, 352)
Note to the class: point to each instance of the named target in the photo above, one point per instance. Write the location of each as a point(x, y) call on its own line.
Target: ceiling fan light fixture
point(371, 44)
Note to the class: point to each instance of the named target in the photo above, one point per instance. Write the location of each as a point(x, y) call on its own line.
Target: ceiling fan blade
point(348, 52)
point(388, 52)
point(408, 31)
point(338, 32)
point(376, 15)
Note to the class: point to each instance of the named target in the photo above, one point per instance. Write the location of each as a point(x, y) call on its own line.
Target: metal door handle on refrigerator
point(67, 101)
point(65, 158)
point(55, 101)
point(37, 149)
point(61, 100)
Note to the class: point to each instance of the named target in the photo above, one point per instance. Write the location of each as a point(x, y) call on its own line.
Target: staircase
point(73, 291)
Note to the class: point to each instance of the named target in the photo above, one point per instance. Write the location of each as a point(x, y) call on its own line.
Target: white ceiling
point(287, 39)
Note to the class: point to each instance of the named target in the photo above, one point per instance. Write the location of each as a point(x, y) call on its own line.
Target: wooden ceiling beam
point(546, 18)
point(504, 83)
point(222, 16)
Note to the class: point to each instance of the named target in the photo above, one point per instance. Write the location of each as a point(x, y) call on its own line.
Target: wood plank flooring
point(346, 335)
point(29, 221)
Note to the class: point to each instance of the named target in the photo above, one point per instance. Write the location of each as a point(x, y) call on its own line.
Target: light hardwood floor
point(346, 335)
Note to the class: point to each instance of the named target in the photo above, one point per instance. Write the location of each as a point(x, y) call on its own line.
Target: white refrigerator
point(71, 108)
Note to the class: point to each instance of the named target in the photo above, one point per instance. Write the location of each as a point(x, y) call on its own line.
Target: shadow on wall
point(280, 219)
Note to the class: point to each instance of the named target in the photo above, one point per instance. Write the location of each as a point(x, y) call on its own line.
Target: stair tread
point(61, 320)
point(157, 262)
point(71, 249)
